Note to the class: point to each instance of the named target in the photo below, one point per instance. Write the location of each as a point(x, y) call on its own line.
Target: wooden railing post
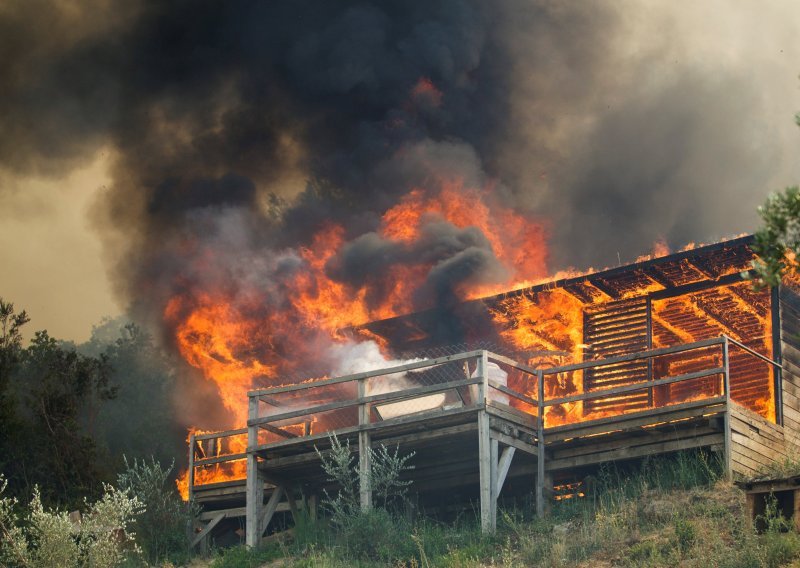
point(255, 484)
point(488, 506)
point(190, 471)
point(540, 475)
point(726, 385)
point(364, 449)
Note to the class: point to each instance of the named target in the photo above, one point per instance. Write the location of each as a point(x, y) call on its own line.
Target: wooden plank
point(368, 374)
point(513, 393)
point(384, 397)
point(515, 443)
point(636, 420)
point(512, 414)
point(270, 509)
point(511, 363)
point(624, 441)
point(206, 530)
point(753, 353)
point(768, 455)
point(753, 457)
point(636, 452)
point(220, 459)
point(384, 425)
point(220, 434)
point(503, 466)
point(600, 393)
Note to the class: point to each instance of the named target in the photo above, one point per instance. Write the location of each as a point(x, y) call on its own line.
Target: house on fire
point(550, 382)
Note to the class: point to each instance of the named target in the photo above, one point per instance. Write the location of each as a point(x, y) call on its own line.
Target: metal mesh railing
point(415, 390)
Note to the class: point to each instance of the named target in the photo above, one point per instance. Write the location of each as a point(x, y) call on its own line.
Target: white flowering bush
point(41, 538)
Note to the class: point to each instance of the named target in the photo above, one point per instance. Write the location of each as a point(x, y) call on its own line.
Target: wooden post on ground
point(364, 450)
point(727, 416)
point(540, 474)
point(493, 458)
point(488, 505)
point(255, 484)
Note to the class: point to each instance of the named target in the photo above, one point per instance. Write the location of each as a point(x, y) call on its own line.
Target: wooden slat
point(636, 420)
point(636, 452)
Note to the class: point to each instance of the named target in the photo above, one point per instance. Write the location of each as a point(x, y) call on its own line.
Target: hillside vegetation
point(671, 511)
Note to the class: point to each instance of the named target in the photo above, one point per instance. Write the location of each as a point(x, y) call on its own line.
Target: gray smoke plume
point(241, 128)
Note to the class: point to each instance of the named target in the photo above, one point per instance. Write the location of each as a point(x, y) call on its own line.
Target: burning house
point(549, 381)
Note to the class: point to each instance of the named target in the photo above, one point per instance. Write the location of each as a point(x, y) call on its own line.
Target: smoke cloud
point(240, 129)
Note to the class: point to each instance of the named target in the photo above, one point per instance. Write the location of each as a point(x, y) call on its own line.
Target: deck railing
point(364, 403)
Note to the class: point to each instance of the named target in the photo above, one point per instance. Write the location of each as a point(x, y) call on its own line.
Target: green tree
point(10, 354)
point(140, 421)
point(49, 397)
point(777, 243)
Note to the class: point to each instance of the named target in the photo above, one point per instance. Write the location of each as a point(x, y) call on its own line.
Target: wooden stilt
point(540, 475)
point(364, 450)
point(727, 415)
point(493, 457)
point(488, 505)
point(255, 485)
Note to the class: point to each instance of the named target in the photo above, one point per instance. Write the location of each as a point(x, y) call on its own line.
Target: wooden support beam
point(364, 449)
point(540, 446)
point(206, 530)
point(278, 431)
point(727, 416)
point(485, 451)
point(254, 492)
point(270, 509)
point(494, 448)
point(654, 274)
point(515, 443)
point(292, 503)
point(603, 286)
point(503, 466)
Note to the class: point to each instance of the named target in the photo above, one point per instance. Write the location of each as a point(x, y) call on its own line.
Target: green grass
point(665, 512)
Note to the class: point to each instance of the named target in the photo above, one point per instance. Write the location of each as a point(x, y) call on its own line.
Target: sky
point(618, 123)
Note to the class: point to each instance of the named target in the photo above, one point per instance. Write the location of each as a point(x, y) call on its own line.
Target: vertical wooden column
point(494, 456)
point(540, 475)
point(488, 504)
point(190, 471)
point(726, 385)
point(255, 484)
point(364, 447)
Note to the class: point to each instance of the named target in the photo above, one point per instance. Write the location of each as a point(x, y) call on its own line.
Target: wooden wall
point(756, 442)
point(789, 303)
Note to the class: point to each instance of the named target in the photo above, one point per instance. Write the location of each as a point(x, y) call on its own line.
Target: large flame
point(235, 340)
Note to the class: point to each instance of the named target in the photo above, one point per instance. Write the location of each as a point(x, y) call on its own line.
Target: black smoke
point(241, 128)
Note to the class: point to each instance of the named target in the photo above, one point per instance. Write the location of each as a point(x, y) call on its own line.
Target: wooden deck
point(478, 432)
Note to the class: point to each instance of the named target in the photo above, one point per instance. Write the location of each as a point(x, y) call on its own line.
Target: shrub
point(49, 538)
point(162, 529)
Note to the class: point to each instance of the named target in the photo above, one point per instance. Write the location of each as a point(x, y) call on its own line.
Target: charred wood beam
point(654, 274)
point(604, 287)
point(748, 306)
point(697, 286)
point(726, 325)
point(680, 333)
point(577, 291)
point(706, 270)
